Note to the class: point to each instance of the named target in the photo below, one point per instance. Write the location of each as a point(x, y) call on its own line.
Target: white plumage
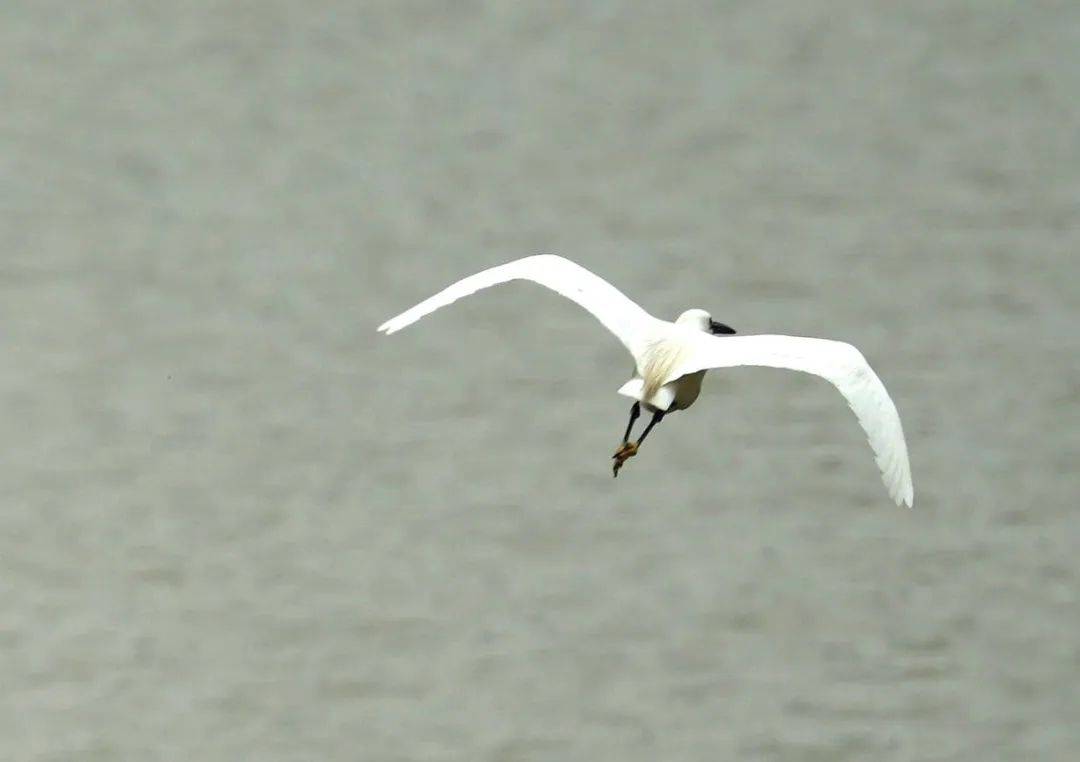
point(671, 357)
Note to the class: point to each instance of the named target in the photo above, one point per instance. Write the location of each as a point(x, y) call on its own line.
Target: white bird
point(671, 358)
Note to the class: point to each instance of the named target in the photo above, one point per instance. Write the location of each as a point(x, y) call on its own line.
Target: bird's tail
point(634, 389)
point(661, 399)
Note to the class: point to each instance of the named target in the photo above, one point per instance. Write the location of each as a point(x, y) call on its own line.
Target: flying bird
point(671, 358)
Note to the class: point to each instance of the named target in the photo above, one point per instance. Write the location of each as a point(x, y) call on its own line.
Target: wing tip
point(905, 496)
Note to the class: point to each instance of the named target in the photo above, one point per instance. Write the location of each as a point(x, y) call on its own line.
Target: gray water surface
point(239, 524)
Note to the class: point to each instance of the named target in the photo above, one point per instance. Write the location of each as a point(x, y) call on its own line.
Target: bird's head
point(703, 321)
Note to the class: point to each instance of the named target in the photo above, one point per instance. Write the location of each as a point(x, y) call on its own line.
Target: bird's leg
point(630, 449)
point(621, 454)
point(657, 417)
point(635, 411)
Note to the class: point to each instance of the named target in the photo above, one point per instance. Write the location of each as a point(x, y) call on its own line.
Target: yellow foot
point(626, 451)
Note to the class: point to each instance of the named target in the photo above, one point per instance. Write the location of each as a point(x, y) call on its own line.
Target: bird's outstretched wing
point(839, 363)
point(629, 322)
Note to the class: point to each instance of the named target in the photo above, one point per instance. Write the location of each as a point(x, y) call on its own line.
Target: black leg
point(657, 417)
point(635, 411)
point(629, 449)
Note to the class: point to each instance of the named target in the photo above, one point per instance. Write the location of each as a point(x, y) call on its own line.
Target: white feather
point(667, 353)
point(630, 323)
point(840, 364)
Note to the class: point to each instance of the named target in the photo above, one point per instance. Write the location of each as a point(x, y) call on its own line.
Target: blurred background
point(239, 524)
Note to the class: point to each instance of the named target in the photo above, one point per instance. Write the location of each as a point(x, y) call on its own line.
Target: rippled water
point(238, 524)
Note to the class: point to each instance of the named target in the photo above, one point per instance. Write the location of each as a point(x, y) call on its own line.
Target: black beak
point(717, 329)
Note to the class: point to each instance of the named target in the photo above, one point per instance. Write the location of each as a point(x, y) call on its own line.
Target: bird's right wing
point(632, 325)
point(839, 363)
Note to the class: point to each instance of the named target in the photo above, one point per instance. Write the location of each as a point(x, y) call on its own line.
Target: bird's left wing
point(633, 326)
point(839, 363)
